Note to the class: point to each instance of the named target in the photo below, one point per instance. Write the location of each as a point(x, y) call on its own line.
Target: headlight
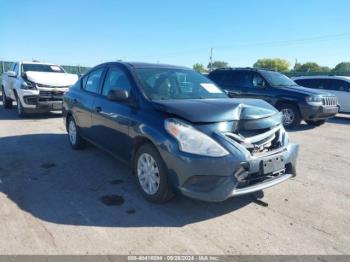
point(314, 100)
point(193, 141)
point(28, 85)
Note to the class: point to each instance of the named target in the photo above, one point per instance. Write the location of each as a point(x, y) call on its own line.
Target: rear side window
point(339, 85)
point(92, 80)
point(238, 79)
point(217, 76)
point(313, 83)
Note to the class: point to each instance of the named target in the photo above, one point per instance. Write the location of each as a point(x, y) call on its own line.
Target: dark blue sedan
point(179, 131)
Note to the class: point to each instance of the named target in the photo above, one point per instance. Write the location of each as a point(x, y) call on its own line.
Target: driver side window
point(116, 79)
point(258, 81)
point(15, 68)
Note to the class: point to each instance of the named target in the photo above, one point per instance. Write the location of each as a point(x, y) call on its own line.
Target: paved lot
point(52, 201)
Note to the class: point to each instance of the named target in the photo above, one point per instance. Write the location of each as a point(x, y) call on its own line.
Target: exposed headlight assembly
point(193, 141)
point(28, 85)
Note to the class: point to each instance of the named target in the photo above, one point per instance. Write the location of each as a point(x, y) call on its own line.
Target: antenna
point(211, 60)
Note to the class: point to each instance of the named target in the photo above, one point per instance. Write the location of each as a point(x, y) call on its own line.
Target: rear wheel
point(315, 123)
point(6, 102)
point(291, 116)
point(151, 174)
point(75, 140)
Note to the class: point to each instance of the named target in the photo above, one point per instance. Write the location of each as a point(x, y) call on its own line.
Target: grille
point(329, 101)
point(50, 95)
point(264, 140)
point(48, 86)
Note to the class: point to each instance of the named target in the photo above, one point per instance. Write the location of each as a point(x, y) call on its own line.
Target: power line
point(268, 43)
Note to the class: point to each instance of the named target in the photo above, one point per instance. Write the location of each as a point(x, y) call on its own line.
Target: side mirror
point(11, 73)
point(118, 95)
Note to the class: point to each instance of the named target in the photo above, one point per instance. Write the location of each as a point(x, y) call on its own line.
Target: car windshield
point(277, 79)
point(170, 83)
point(42, 68)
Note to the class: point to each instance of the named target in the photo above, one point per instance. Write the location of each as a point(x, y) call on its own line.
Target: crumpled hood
point(217, 110)
point(52, 79)
point(305, 90)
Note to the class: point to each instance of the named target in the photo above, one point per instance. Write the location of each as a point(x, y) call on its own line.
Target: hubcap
point(148, 174)
point(288, 116)
point(72, 132)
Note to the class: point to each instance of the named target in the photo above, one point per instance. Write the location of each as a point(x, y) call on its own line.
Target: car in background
point(295, 102)
point(337, 85)
point(36, 87)
point(175, 127)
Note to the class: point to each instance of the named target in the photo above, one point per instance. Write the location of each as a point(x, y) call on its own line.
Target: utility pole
point(211, 60)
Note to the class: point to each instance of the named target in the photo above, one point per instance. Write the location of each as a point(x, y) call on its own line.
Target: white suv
point(36, 87)
point(338, 85)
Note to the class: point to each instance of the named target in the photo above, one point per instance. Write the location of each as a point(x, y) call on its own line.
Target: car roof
point(346, 78)
point(244, 69)
point(135, 65)
point(36, 63)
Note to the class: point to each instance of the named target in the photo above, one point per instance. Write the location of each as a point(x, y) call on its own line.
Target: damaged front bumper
point(230, 176)
point(255, 163)
point(42, 100)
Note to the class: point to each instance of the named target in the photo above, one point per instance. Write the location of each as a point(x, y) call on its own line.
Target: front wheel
point(75, 140)
point(290, 115)
point(315, 123)
point(6, 102)
point(151, 174)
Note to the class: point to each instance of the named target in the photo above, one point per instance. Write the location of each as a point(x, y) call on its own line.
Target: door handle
point(75, 101)
point(98, 109)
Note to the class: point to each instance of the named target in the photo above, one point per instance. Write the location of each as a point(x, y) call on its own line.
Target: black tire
point(291, 115)
point(163, 192)
point(20, 110)
point(315, 123)
point(6, 102)
point(78, 142)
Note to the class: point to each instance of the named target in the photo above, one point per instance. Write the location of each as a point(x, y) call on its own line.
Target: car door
point(341, 89)
point(13, 81)
point(258, 88)
point(235, 83)
point(84, 101)
point(346, 104)
point(110, 119)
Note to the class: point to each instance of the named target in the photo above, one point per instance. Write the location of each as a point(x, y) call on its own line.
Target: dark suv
point(176, 127)
point(295, 102)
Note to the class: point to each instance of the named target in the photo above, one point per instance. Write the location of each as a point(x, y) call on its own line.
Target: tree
point(217, 64)
point(275, 64)
point(200, 68)
point(309, 67)
point(342, 67)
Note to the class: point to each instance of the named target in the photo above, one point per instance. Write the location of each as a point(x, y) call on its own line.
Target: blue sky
point(176, 32)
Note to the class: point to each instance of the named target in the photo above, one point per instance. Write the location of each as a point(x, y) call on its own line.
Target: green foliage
point(308, 67)
point(217, 64)
point(275, 64)
point(342, 67)
point(200, 68)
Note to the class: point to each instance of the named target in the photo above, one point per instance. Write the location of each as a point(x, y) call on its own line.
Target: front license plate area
point(272, 164)
point(333, 110)
point(57, 106)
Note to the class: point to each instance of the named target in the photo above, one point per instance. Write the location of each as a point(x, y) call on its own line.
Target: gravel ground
point(54, 200)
